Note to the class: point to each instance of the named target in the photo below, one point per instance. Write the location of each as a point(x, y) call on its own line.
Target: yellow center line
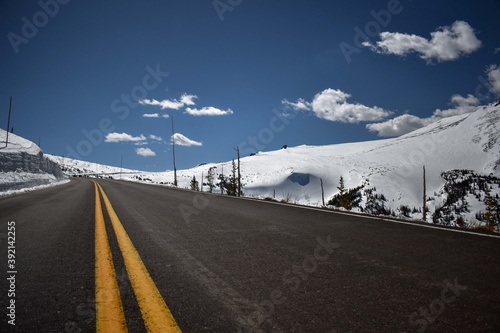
point(157, 317)
point(109, 309)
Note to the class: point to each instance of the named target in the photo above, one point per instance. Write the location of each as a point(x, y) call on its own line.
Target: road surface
point(206, 263)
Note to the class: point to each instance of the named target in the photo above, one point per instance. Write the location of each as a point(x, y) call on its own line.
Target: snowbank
point(23, 166)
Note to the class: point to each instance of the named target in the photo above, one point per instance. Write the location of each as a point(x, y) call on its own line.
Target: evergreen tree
point(343, 195)
point(375, 203)
point(491, 210)
point(210, 179)
point(194, 184)
point(346, 198)
point(232, 185)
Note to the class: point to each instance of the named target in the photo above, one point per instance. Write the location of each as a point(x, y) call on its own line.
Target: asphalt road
point(234, 265)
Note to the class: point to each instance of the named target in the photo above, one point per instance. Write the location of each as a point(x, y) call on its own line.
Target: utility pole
point(424, 197)
point(173, 151)
point(239, 174)
point(8, 123)
point(121, 164)
point(201, 183)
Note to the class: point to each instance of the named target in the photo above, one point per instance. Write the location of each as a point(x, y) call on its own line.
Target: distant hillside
point(75, 168)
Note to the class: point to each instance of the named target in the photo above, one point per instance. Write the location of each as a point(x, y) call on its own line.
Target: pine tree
point(232, 185)
point(210, 179)
point(491, 210)
point(194, 184)
point(344, 199)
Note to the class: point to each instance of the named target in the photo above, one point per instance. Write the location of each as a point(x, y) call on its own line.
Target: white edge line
point(361, 216)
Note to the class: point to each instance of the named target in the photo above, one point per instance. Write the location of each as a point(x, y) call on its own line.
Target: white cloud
point(497, 50)
point(175, 104)
point(181, 140)
point(300, 105)
point(155, 115)
point(493, 73)
point(154, 137)
point(397, 126)
point(331, 104)
point(208, 111)
point(407, 123)
point(188, 99)
point(151, 115)
point(146, 152)
point(460, 105)
point(447, 43)
point(123, 137)
point(164, 104)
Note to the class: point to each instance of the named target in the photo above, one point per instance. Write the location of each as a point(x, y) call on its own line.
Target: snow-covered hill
point(17, 144)
point(390, 168)
point(23, 166)
point(76, 168)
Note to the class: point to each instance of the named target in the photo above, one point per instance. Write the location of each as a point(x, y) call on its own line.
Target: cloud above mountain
point(331, 104)
point(446, 43)
point(407, 123)
point(145, 152)
point(182, 140)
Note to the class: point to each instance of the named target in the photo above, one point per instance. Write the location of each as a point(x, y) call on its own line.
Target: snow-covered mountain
point(461, 155)
point(391, 168)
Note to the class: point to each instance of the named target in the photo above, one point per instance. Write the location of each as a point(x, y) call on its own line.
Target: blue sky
point(254, 74)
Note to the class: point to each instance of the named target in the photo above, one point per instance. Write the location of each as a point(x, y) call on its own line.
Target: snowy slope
point(392, 166)
point(74, 167)
point(395, 165)
point(24, 167)
point(17, 144)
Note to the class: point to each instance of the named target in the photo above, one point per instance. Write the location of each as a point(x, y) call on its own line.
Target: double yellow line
point(109, 308)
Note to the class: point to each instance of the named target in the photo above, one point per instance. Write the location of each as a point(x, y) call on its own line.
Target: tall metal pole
point(121, 164)
point(8, 123)
point(424, 205)
point(173, 151)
